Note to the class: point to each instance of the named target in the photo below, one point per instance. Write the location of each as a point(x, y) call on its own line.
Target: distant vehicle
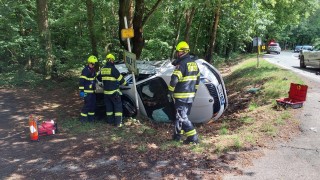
point(309, 57)
point(274, 47)
point(307, 47)
point(152, 87)
point(297, 49)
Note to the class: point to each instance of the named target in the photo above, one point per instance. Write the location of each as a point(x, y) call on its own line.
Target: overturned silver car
point(152, 89)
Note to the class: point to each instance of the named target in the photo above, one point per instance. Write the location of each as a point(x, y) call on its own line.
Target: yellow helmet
point(182, 47)
point(110, 57)
point(92, 59)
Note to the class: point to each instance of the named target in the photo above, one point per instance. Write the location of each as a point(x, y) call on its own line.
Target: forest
point(50, 37)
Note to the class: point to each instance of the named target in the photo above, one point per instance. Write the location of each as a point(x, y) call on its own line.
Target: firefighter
point(111, 79)
point(87, 87)
point(183, 86)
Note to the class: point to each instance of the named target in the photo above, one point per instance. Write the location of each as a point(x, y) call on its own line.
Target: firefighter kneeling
point(111, 79)
point(183, 86)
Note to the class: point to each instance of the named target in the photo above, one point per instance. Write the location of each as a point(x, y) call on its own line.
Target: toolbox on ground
point(297, 96)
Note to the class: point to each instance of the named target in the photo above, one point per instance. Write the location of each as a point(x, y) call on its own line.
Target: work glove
point(83, 94)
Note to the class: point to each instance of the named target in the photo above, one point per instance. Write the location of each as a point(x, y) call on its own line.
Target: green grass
point(266, 84)
point(76, 127)
point(142, 148)
point(253, 106)
point(247, 120)
point(21, 78)
point(269, 129)
point(272, 81)
point(18, 76)
point(238, 144)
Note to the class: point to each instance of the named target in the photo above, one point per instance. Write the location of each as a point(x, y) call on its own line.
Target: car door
point(153, 94)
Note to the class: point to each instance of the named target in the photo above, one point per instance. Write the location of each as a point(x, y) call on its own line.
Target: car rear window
point(274, 45)
point(307, 47)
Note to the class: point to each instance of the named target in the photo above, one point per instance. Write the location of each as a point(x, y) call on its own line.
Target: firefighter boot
point(176, 137)
point(91, 119)
point(83, 119)
point(192, 140)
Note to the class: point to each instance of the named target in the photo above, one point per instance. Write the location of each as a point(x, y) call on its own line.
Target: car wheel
point(302, 65)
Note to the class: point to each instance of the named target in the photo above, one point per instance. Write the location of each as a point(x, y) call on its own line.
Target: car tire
point(302, 64)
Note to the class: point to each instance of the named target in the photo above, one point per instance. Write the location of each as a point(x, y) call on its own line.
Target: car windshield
point(298, 47)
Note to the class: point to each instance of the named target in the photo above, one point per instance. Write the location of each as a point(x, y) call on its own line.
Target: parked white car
point(274, 47)
point(152, 87)
point(310, 58)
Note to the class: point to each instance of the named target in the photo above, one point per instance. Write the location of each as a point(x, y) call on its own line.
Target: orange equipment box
point(297, 95)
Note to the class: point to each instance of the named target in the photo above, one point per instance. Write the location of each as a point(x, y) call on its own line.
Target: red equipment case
point(297, 96)
point(48, 127)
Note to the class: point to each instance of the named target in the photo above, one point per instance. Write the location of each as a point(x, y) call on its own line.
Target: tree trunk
point(90, 14)
point(197, 37)
point(189, 18)
point(177, 24)
point(139, 20)
point(45, 39)
point(125, 9)
point(138, 41)
point(213, 34)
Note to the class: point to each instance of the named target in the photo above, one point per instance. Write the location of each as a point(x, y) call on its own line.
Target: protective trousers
point(113, 108)
point(88, 109)
point(182, 124)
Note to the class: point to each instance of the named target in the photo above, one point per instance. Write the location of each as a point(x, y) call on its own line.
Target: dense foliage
point(162, 23)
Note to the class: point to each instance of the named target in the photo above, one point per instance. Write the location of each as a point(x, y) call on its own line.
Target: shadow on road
point(308, 69)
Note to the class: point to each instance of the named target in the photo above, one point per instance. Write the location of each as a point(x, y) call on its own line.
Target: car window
point(307, 48)
point(153, 94)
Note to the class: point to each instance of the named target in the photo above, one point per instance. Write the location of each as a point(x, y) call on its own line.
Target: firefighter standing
point(183, 86)
point(87, 86)
point(111, 79)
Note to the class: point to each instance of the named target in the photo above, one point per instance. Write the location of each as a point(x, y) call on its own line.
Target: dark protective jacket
point(87, 81)
point(111, 78)
point(185, 79)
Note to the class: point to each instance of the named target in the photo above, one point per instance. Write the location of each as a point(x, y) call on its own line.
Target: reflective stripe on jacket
point(185, 80)
point(87, 79)
point(111, 78)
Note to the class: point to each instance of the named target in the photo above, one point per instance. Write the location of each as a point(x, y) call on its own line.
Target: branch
point(145, 19)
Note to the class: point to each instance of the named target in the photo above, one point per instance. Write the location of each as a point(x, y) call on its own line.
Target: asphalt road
point(299, 158)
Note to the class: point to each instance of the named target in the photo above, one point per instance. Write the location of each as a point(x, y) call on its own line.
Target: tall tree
point(45, 39)
point(125, 10)
point(90, 13)
point(189, 17)
point(213, 34)
point(139, 20)
point(177, 24)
